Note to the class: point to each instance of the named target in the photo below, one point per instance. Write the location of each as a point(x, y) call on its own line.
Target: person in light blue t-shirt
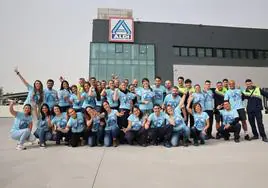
point(145, 97)
point(95, 127)
point(60, 121)
point(197, 97)
point(235, 97)
point(22, 125)
point(75, 124)
point(174, 99)
point(201, 123)
point(50, 94)
point(64, 96)
point(136, 130)
point(159, 127)
point(44, 126)
point(88, 96)
point(35, 95)
point(111, 129)
point(76, 99)
point(110, 94)
point(159, 91)
point(99, 98)
point(179, 127)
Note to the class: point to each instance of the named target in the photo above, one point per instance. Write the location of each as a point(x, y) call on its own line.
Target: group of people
point(98, 113)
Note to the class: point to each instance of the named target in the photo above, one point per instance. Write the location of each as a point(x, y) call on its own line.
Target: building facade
point(168, 50)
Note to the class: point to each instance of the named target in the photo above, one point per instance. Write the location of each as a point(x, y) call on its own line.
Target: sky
point(50, 38)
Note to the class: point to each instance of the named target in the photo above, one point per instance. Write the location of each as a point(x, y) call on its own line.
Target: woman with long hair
point(88, 96)
point(111, 128)
point(94, 126)
point(64, 96)
point(110, 96)
point(136, 130)
point(99, 97)
point(22, 125)
point(145, 97)
point(59, 122)
point(44, 126)
point(201, 123)
point(179, 127)
point(76, 99)
point(35, 95)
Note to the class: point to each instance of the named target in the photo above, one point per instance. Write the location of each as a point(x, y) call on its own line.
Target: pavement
point(221, 164)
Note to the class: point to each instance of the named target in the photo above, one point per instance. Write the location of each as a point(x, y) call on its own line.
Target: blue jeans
point(95, 137)
point(21, 135)
point(185, 132)
point(110, 135)
point(43, 135)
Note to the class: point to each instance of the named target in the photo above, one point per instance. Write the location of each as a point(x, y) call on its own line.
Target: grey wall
point(166, 35)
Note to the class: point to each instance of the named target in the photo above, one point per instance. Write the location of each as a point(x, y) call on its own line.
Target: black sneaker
point(264, 139)
point(196, 144)
point(254, 138)
point(218, 136)
point(227, 138)
point(202, 142)
point(236, 140)
point(247, 138)
point(167, 145)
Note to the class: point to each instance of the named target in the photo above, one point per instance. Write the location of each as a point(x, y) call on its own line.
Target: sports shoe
point(254, 138)
point(42, 146)
point(20, 147)
point(202, 142)
point(264, 139)
point(115, 144)
point(247, 138)
point(167, 145)
point(236, 140)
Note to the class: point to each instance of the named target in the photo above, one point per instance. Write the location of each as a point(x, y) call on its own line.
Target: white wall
point(4, 110)
point(198, 74)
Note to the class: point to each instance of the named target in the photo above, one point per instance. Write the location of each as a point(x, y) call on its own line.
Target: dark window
point(250, 54)
point(192, 52)
point(235, 54)
point(227, 53)
point(143, 49)
point(208, 52)
point(219, 53)
point(201, 52)
point(243, 54)
point(266, 54)
point(118, 48)
point(183, 51)
point(176, 51)
point(261, 55)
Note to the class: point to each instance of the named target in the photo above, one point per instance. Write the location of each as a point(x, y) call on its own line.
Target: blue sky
point(49, 38)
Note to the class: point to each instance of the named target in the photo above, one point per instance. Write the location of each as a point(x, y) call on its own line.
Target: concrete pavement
point(218, 164)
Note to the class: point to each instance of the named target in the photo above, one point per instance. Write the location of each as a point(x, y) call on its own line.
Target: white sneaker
point(42, 146)
point(20, 147)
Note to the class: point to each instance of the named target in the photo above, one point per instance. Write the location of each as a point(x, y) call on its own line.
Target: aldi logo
point(121, 30)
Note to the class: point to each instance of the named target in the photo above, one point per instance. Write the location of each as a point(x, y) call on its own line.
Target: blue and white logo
point(121, 30)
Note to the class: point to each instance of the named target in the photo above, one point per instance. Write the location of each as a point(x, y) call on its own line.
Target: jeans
point(197, 134)
point(157, 135)
point(43, 135)
point(21, 135)
point(140, 136)
point(234, 128)
point(95, 138)
point(110, 135)
point(175, 138)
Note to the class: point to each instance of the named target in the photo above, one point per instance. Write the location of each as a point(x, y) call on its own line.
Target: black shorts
point(242, 114)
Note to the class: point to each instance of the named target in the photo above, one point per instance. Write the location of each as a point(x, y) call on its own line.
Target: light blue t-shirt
point(209, 100)
point(21, 122)
point(50, 97)
point(179, 123)
point(42, 124)
point(177, 110)
point(62, 94)
point(200, 120)
point(77, 125)
point(158, 94)
point(235, 98)
point(136, 123)
point(60, 121)
point(88, 100)
point(99, 102)
point(173, 102)
point(109, 96)
point(125, 100)
point(95, 124)
point(158, 121)
point(77, 104)
point(168, 91)
point(111, 120)
point(228, 116)
point(32, 97)
point(199, 98)
point(146, 95)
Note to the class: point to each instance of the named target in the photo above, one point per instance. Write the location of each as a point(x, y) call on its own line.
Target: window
point(219, 53)
point(201, 52)
point(227, 53)
point(266, 54)
point(261, 55)
point(243, 54)
point(176, 51)
point(118, 48)
point(208, 52)
point(183, 51)
point(250, 54)
point(143, 49)
point(192, 52)
point(235, 54)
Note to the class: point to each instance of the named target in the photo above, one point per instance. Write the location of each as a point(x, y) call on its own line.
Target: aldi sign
point(121, 30)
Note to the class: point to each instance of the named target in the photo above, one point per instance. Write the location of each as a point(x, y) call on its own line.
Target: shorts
point(242, 114)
